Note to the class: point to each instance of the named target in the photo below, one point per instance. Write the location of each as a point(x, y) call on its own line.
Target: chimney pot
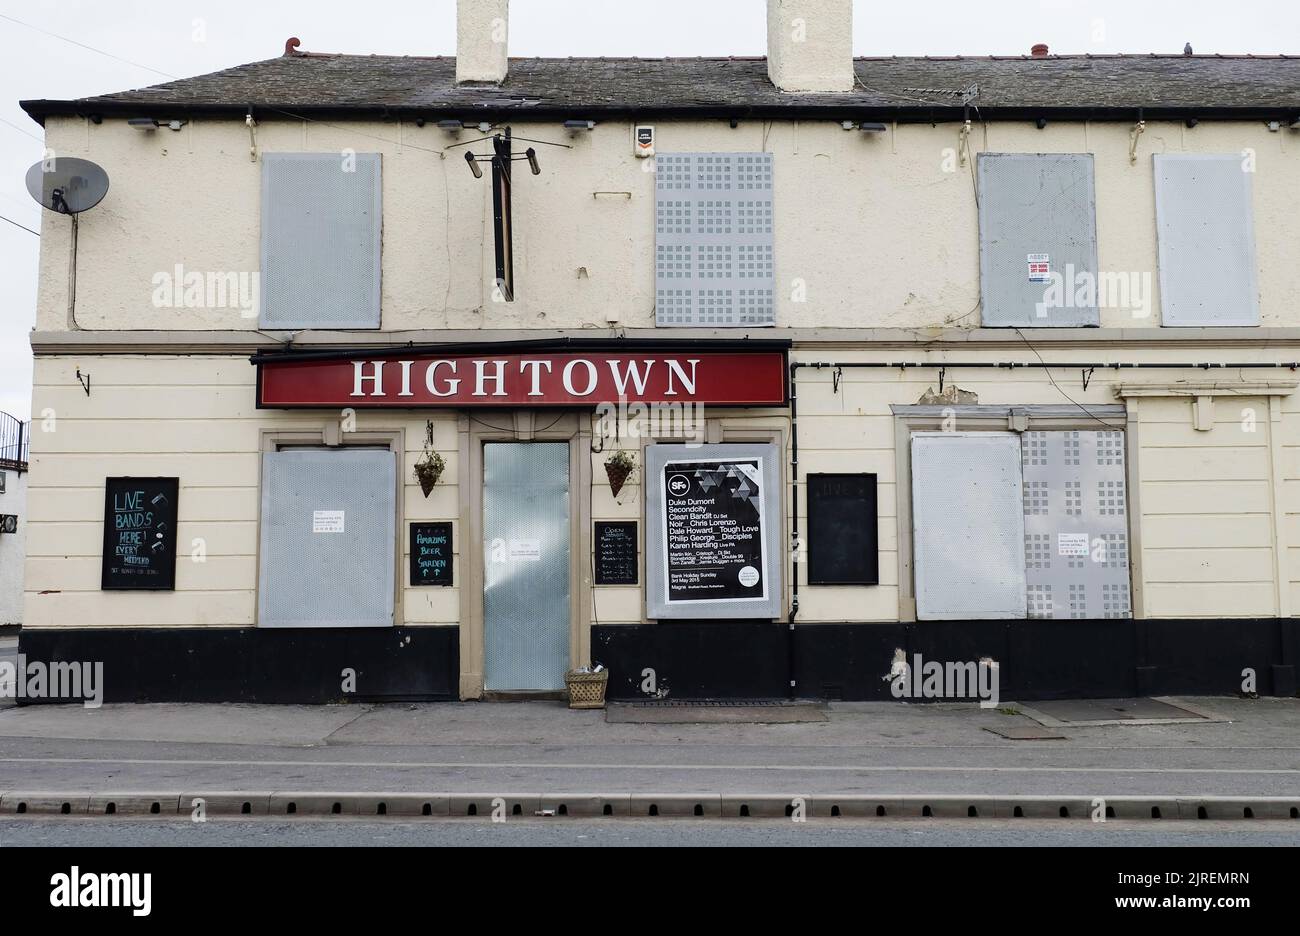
point(1039, 50)
point(482, 30)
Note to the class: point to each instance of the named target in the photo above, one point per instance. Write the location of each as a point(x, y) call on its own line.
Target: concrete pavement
point(869, 749)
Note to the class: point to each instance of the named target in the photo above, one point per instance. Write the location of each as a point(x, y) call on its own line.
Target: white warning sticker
point(1072, 544)
point(525, 550)
point(327, 521)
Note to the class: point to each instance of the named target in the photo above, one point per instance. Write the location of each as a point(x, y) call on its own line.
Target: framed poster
point(139, 534)
point(713, 531)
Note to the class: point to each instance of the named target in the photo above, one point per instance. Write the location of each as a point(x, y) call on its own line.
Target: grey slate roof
point(1055, 86)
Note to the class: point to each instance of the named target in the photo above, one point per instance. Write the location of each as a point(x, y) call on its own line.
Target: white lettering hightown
point(580, 378)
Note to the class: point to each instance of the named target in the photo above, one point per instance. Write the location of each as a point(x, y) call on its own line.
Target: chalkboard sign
point(616, 553)
point(431, 562)
point(842, 534)
point(140, 533)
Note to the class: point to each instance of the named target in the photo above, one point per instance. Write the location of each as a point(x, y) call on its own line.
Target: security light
point(451, 126)
point(143, 123)
point(872, 127)
point(1294, 125)
point(573, 126)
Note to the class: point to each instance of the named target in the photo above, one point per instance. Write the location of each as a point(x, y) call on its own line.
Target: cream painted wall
point(193, 418)
point(1210, 543)
point(871, 224)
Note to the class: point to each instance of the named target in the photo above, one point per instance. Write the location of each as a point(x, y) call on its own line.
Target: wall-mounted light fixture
point(872, 127)
point(577, 126)
point(451, 126)
point(1294, 125)
point(149, 123)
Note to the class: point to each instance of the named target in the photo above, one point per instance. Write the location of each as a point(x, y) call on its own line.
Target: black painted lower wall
point(1038, 659)
point(277, 665)
point(694, 659)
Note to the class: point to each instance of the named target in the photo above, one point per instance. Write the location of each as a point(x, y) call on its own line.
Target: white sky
point(186, 37)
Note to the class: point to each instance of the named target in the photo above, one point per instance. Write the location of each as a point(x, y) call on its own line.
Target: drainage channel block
point(314, 804)
point(704, 805)
point(403, 804)
point(134, 804)
point(949, 807)
point(45, 804)
point(1043, 807)
point(512, 807)
point(586, 805)
point(853, 807)
point(226, 803)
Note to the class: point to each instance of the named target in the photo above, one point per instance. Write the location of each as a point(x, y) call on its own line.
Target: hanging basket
point(617, 469)
point(428, 470)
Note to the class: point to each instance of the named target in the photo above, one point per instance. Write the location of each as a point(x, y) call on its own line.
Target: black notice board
point(431, 562)
point(843, 547)
point(140, 534)
point(616, 552)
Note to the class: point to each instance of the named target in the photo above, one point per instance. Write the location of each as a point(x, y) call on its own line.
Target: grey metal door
point(525, 565)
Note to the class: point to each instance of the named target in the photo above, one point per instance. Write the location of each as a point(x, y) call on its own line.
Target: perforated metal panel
point(329, 521)
point(1206, 230)
point(320, 240)
point(1076, 524)
point(1037, 215)
point(968, 527)
point(713, 240)
point(526, 565)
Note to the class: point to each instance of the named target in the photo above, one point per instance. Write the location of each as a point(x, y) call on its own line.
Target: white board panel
point(968, 527)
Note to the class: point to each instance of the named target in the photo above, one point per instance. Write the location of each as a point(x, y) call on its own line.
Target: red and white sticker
point(1040, 268)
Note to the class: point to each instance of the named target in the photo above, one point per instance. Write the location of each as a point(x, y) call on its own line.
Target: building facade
point(981, 359)
point(14, 436)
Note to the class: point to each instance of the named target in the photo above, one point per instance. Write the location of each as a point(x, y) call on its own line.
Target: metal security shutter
point(1037, 216)
point(1207, 241)
point(320, 240)
point(713, 240)
point(319, 569)
point(1076, 524)
point(968, 528)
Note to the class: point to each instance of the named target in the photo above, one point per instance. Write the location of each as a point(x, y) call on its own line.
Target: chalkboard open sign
point(616, 552)
point(140, 534)
point(431, 562)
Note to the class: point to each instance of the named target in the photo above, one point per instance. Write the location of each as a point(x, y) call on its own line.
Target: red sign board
point(526, 379)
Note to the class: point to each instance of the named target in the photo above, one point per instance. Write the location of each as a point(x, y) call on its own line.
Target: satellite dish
point(67, 185)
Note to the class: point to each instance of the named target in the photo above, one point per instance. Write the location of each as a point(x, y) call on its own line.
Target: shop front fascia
point(534, 422)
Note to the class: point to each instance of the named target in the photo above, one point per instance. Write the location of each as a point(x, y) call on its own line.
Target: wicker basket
point(586, 690)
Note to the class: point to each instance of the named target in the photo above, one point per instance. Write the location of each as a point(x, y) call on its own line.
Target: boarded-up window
point(843, 546)
point(320, 240)
point(1038, 240)
point(328, 536)
point(1076, 524)
point(968, 525)
point(713, 240)
point(1207, 240)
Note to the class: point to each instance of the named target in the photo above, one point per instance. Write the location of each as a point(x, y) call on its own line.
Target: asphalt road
point(666, 833)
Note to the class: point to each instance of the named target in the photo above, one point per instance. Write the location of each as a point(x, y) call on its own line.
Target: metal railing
point(15, 439)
